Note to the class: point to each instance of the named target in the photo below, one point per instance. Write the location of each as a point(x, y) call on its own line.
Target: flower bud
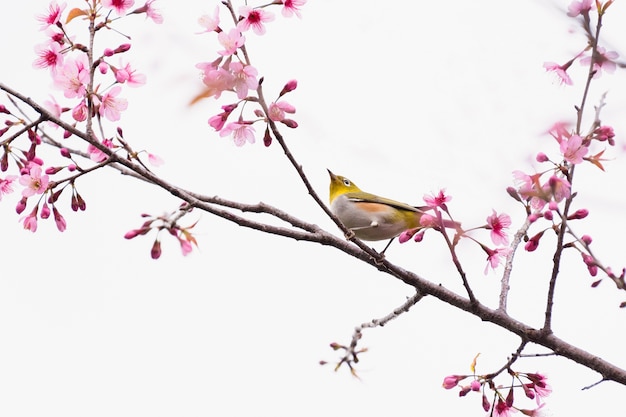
point(579, 214)
point(542, 157)
point(155, 252)
point(290, 86)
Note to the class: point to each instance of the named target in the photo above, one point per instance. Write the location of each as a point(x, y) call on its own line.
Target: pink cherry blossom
point(245, 78)
point(30, 221)
point(231, 41)
point(35, 181)
point(278, 109)
point(560, 71)
point(438, 200)
point(96, 154)
point(497, 223)
point(52, 17)
point(559, 188)
point(241, 132)
point(54, 108)
point(150, 12)
point(602, 60)
point(573, 149)
point(292, 7)
point(120, 6)
point(579, 7)
point(210, 23)
point(72, 77)
point(6, 185)
point(495, 257)
point(501, 409)
point(48, 56)
point(155, 160)
point(79, 113)
point(129, 76)
point(111, 106)
point(253, 18)
point(218, 80)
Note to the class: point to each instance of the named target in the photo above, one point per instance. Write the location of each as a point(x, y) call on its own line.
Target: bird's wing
point(371, 198)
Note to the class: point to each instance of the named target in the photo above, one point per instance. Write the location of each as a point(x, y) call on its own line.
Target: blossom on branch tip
point(560, 71)
point(6, 185)
point(120, 6)
point(210, 23)
point(30, 221)
point(128, 75)
point(438, 200)
point(253, 18)
point(292, 7)
point(150, 12)
point(495, 257)
point(52, 17)
point(278, 109)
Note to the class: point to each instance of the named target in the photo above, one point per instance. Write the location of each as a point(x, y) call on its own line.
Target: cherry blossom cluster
point(232, 72)
point(436, 206)
point(500, 400)
point(91, 83)
point(545, 194)
point(599, 58)
point(167, 222)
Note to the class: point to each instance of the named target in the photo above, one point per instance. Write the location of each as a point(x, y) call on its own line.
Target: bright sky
point(404, 99)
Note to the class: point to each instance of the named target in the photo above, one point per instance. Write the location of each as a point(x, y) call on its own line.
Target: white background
point(404, 98)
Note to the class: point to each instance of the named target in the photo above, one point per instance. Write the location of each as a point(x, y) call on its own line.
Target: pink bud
point(267, 138)
point(108, 52)
point(548, 215)
point(21, 205)
point(45, 211)
point(3, 109)
point(419, 236)
point(65, 152)
point(53, 170)
point(586, 239)
point(532, 217)
point(290, 86)
point(475, 385)
point(553, 205)
point(103, 67)
point(122, 48)
point(452, 381)
point(486, 404)
point(155, 252)
point(71, 167)
point(579, 214)
point(542, 157)
point(59, 220)
point(289, 123)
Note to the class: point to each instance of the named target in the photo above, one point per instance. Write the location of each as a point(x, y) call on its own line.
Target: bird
point(368, 216)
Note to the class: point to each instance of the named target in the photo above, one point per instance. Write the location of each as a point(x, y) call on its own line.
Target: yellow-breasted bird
point(369, 216)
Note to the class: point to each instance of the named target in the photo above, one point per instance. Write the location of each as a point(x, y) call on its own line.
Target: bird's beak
point(332, 176)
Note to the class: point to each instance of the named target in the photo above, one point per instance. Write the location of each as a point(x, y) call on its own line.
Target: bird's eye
point(346, 182)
